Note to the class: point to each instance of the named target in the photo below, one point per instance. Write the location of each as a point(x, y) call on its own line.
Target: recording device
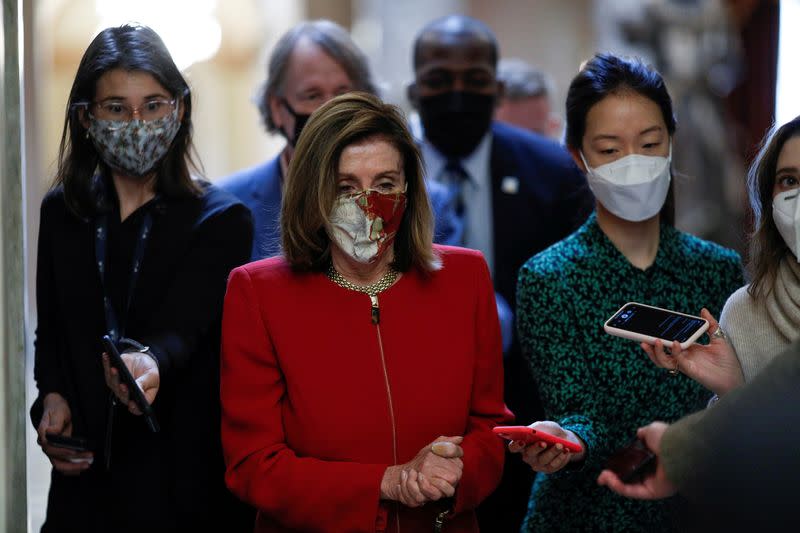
point(645, 323)
point(134, 391)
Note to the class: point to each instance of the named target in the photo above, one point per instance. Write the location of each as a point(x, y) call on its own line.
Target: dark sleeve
point(557, 361)
point(221, 242)
point(46, 368)
point(743, 451)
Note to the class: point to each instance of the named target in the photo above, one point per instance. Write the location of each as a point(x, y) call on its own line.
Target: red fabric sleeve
point(484, 452)
point(301, 493)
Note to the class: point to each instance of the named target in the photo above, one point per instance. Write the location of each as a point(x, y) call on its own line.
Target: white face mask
point(633, 187)
point(786, 214)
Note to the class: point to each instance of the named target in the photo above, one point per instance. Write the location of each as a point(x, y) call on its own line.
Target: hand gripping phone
point(645, 323)
point(134, 391)
point(76, 444)
point(632, 462)
point(529, 435)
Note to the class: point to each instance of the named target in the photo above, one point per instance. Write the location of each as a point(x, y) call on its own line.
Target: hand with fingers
point(653, 486)
point(57, 419)
point(431, 475)
point(544, 457)
point(144, 370)
point(715, 365)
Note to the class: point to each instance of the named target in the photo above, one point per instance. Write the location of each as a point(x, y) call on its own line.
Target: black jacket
point(172, 480)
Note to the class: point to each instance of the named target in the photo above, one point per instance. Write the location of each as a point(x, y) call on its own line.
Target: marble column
point(12, 283)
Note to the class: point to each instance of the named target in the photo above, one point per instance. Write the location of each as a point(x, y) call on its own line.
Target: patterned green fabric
point(604, 387)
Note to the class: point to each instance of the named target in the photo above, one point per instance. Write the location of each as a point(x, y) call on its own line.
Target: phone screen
point(657, 323)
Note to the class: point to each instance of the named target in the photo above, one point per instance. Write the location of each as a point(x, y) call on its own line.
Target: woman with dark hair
point(346, 361)
point(597, 389)
point(760, 320)
point(132, 246)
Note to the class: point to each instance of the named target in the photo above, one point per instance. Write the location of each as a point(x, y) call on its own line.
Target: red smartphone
point(529, 435)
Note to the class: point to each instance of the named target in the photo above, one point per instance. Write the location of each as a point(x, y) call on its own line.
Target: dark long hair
point(131, 48)
point(608, 74)
point(767, 247)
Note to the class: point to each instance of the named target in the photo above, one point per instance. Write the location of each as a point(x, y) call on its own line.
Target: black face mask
point(455, 122)
point(299, 123)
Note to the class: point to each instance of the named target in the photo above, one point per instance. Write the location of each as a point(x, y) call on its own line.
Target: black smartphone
point(134, 391)
point(632, 462)
point(645, 323)
point(76, 444)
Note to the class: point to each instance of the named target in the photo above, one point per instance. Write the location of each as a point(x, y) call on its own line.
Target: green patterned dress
point(604, 387)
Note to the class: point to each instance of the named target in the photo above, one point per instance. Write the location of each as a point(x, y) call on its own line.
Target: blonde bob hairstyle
point(311, 183)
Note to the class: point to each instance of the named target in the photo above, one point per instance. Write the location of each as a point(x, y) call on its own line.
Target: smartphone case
point(647, 338)
point(529, 435)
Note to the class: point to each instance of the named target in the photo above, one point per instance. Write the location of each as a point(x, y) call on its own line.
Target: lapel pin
point(510, 185)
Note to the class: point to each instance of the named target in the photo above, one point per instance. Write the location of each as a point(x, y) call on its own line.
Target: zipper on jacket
point(376, 320)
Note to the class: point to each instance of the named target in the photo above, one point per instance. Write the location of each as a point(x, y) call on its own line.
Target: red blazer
point(312, 416)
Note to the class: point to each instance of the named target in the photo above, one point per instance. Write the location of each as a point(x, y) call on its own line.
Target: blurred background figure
point(312, 63)
point(527, 98)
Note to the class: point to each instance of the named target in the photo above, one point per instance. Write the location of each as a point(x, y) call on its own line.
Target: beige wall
point(554, 35)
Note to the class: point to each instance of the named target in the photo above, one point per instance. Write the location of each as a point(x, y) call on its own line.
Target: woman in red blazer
point(361, 371)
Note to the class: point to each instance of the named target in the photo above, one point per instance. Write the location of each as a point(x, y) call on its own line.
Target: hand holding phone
point(645, 323)
point(632, 462)
point(134, 391)
point(528, 435)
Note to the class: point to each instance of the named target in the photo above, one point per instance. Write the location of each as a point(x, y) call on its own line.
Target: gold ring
point(719, 334)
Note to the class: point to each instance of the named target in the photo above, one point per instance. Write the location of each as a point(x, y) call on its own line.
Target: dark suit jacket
point(553, 199)
point(738, 462)
point(259, 188)
point(166, 481)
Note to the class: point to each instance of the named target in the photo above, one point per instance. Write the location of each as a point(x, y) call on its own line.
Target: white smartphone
point(645, 323)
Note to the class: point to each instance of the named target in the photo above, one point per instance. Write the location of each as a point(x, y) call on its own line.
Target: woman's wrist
point(389, 482)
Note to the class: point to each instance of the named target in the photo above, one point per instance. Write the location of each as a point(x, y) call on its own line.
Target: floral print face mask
point(365, 224)
point(134, 147)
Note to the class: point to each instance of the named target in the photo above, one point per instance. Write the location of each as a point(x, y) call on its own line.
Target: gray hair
point(334, 40)
point(522, 80)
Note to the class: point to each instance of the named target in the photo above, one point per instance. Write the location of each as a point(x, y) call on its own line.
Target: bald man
point(514, 194)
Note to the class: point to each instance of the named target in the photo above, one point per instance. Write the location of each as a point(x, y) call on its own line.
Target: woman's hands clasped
point(431, 475)
point(715, 365)
point(548, 458)
point(144, 370)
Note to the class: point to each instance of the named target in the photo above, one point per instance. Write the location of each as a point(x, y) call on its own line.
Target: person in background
point(736, 462)
point(761, 319)
point(597, 388)
point(513, 193)
point(361, 370)
point(526, 101)
point(131, 245)
point(311, 63)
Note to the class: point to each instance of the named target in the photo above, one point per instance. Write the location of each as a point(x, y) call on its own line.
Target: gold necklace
point(372, 290)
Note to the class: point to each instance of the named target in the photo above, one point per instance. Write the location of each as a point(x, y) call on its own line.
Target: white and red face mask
point(364, 225)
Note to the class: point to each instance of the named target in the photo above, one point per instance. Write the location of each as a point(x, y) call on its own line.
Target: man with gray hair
point(311, 63)
point(525, 102)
